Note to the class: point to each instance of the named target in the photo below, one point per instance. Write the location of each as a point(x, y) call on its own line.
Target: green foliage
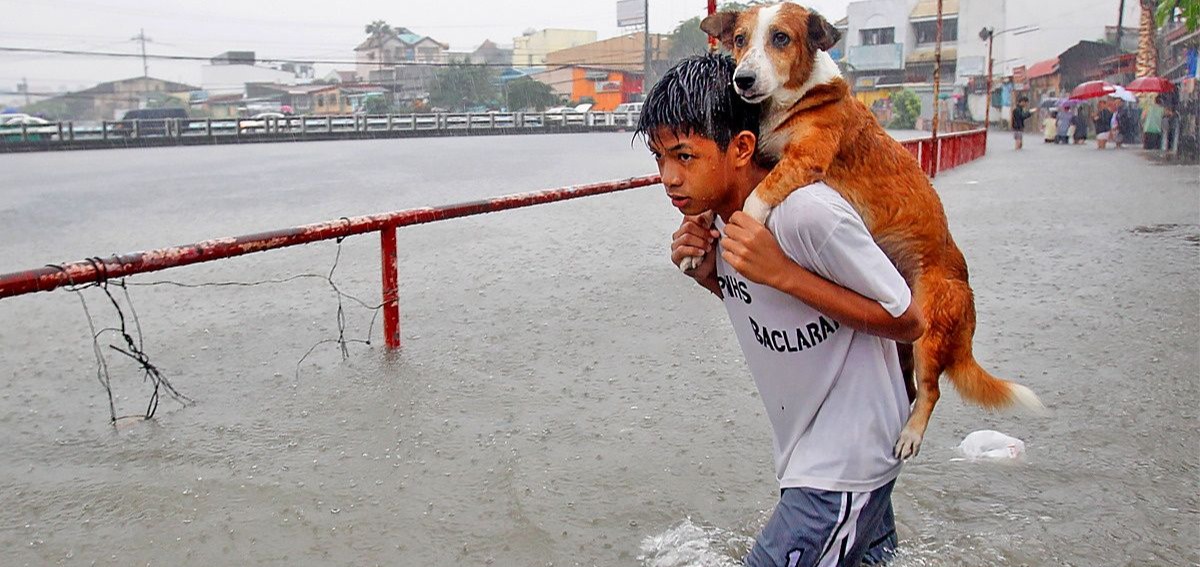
point(377, 105)
point(460, 86)
point(377, 28)
point(1188, 11)
point(688, 39)
point(906, 107)
point(525, 93)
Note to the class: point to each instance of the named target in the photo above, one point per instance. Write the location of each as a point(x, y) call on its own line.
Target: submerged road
point(564, 395)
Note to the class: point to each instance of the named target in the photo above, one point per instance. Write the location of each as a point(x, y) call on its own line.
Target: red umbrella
point(1092, 89)
point(1150, 85)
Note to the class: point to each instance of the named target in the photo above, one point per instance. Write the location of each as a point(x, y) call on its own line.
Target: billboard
point(631, 12)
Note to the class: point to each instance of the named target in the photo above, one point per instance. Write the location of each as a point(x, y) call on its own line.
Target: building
point(110, 100)
point(488, 53)
point(531, 48)
point(380, 54)
point(340, 77)
point(309, 99)
point(889, 44)
point(607, 72)
point(229, 72)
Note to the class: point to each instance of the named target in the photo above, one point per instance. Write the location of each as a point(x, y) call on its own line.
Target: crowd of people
point(1111, 120)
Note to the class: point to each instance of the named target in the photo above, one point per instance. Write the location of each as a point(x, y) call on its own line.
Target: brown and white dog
point(818, 132)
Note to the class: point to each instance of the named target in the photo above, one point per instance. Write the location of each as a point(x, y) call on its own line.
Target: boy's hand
point(695, 238)
point(753, 251)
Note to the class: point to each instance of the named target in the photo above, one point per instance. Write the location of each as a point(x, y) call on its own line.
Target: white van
point(634, 108)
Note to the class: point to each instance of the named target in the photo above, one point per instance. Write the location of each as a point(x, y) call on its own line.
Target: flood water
point(563, 396)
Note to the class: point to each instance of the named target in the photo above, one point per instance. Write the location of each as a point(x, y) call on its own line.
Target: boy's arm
point(753, 251)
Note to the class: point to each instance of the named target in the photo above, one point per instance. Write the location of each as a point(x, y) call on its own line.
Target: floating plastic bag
point(988, 444)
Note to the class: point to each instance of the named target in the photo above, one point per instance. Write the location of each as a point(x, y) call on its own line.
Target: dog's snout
point(743, 82)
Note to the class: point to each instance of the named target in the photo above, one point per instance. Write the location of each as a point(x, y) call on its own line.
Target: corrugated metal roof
point(1042, 68)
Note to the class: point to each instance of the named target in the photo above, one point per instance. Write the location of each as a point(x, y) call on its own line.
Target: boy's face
point(697, 173)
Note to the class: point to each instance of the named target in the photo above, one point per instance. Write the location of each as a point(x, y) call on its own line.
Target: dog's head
point(779, 48)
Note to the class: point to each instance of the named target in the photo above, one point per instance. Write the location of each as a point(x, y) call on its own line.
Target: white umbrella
point(1123, 94)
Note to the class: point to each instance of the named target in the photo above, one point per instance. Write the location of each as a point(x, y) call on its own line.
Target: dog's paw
point(908, 446)
point(757, 208)
point(690, 263)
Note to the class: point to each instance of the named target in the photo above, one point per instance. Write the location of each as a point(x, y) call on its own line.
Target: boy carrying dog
point(817, 309)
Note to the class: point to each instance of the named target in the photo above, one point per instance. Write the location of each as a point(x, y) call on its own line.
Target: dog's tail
point(978, 386)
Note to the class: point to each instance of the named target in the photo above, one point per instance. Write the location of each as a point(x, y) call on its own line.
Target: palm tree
point(1147, 55)
point(378, 29)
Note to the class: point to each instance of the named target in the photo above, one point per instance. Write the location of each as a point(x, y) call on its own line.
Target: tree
point(378, 29)
point(524, 92)
point(377, 104)
point(1186, 10)
point(1147, 54)
point(461, 86)
point(905, 108)
point(688, 39)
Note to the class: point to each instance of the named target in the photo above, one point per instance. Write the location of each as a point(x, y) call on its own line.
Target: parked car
point(35, 128)
point(634, 108)
point(150, 121)
point(258, 122)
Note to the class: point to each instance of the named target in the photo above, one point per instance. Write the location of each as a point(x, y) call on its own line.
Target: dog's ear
point(821, 34)
point(720, 25)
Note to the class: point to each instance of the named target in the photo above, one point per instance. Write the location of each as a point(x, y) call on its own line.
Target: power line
point(633, 64)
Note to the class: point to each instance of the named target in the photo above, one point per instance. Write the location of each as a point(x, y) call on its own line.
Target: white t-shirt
point(835, 396)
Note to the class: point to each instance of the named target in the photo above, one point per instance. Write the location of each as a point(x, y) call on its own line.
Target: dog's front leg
point(804, 161)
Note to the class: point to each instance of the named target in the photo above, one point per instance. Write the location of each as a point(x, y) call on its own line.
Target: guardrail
point(949, 151)
point(99, 269)
point(186, 131)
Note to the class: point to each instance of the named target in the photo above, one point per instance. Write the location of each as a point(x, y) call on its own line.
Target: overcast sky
point(309, 29)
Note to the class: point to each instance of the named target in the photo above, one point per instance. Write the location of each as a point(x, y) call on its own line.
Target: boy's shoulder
point(812, 213)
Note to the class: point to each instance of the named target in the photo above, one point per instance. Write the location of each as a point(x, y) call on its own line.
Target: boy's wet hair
point(696, 97)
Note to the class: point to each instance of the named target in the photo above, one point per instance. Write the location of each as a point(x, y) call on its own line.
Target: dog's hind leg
point(905, 351)
point(931, 353)
point(928, 371)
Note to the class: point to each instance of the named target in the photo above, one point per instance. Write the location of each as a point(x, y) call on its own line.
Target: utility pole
point(988, 34)
point(712, 41)
point(646, 47)
point(141, 36)
point(937, 87)
point(1120, 25)
point(25, 89)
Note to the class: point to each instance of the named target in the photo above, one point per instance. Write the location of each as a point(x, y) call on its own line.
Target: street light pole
point(987, 122)
point(646, 46)
point(988, 34)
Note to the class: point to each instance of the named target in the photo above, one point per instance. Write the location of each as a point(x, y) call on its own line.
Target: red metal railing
point(99, 269)
point(952, 150)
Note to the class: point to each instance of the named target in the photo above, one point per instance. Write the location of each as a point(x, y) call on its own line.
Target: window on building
point(878, 36)
point(320, 100)
point(427, 53)
point(926, 32)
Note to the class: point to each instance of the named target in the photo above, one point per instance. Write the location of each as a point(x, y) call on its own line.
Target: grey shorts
point(1018, 135)
point(819, 528)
